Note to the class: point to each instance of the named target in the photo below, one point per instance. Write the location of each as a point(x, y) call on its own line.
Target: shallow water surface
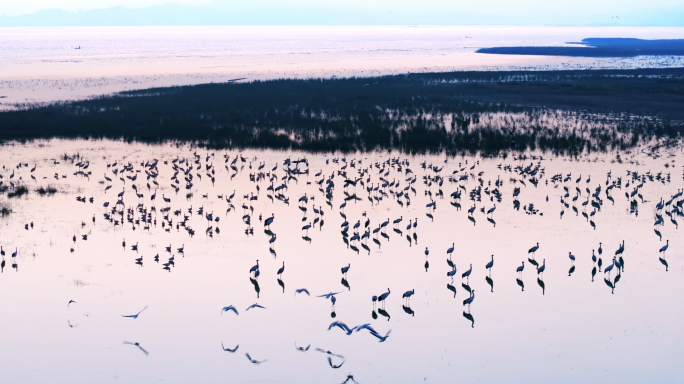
point(521, 327)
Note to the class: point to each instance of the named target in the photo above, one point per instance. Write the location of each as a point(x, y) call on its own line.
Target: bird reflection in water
point(452, 289)
point(470, 318)
point(542, 285)
point(384, 313)
point(350, 378)
point(521, 284)
point(662, 261)
point(490, 282)
point(256, 286)
point(610, 284)
point(533, 262)
point(364, 246)
point(408, 310)
point(345, 283)
point(282, 285)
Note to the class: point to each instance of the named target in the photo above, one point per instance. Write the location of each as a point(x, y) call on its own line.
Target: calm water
point(41, 64)
point(560, 327)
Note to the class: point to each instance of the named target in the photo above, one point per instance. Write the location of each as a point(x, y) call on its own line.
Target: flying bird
point(333, 365)
point(253, 361)
point(230, 350)
point(230, 308)
point(382, 338)
point(329, 295)
point(137, 345)
point(136, 315)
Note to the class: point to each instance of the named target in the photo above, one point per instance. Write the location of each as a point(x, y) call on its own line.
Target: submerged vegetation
point(49, 190)
point(489, 112)
point(4, 210)
point(18, 192)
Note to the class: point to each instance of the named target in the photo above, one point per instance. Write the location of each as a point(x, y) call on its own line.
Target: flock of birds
point(139, 206)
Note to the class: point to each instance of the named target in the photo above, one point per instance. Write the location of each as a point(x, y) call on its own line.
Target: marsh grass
point(459, 112)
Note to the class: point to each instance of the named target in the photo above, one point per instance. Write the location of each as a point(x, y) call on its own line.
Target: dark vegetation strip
point(489, 112)
point(600, 47)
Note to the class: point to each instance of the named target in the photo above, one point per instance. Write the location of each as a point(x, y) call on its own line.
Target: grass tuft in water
point(49, 190)
point(18, 192)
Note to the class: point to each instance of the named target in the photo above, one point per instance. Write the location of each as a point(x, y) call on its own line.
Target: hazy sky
point(18, 7)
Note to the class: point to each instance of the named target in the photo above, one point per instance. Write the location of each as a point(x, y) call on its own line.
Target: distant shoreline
point(600, 47)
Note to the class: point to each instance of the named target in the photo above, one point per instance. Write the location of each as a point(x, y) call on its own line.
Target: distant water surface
point(43, 64)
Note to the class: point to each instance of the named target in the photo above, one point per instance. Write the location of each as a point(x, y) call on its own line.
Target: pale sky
point(18, 7)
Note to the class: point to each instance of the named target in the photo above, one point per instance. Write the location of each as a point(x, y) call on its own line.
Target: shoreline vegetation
point(487, 112)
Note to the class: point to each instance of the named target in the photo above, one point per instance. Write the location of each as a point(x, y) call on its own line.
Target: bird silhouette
point(136, 315)
point(253, 361)
point(490, 264)
point(380, 337)
point(137, 345)
point(230, 350)
point(407, 295)
point(229, 308)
